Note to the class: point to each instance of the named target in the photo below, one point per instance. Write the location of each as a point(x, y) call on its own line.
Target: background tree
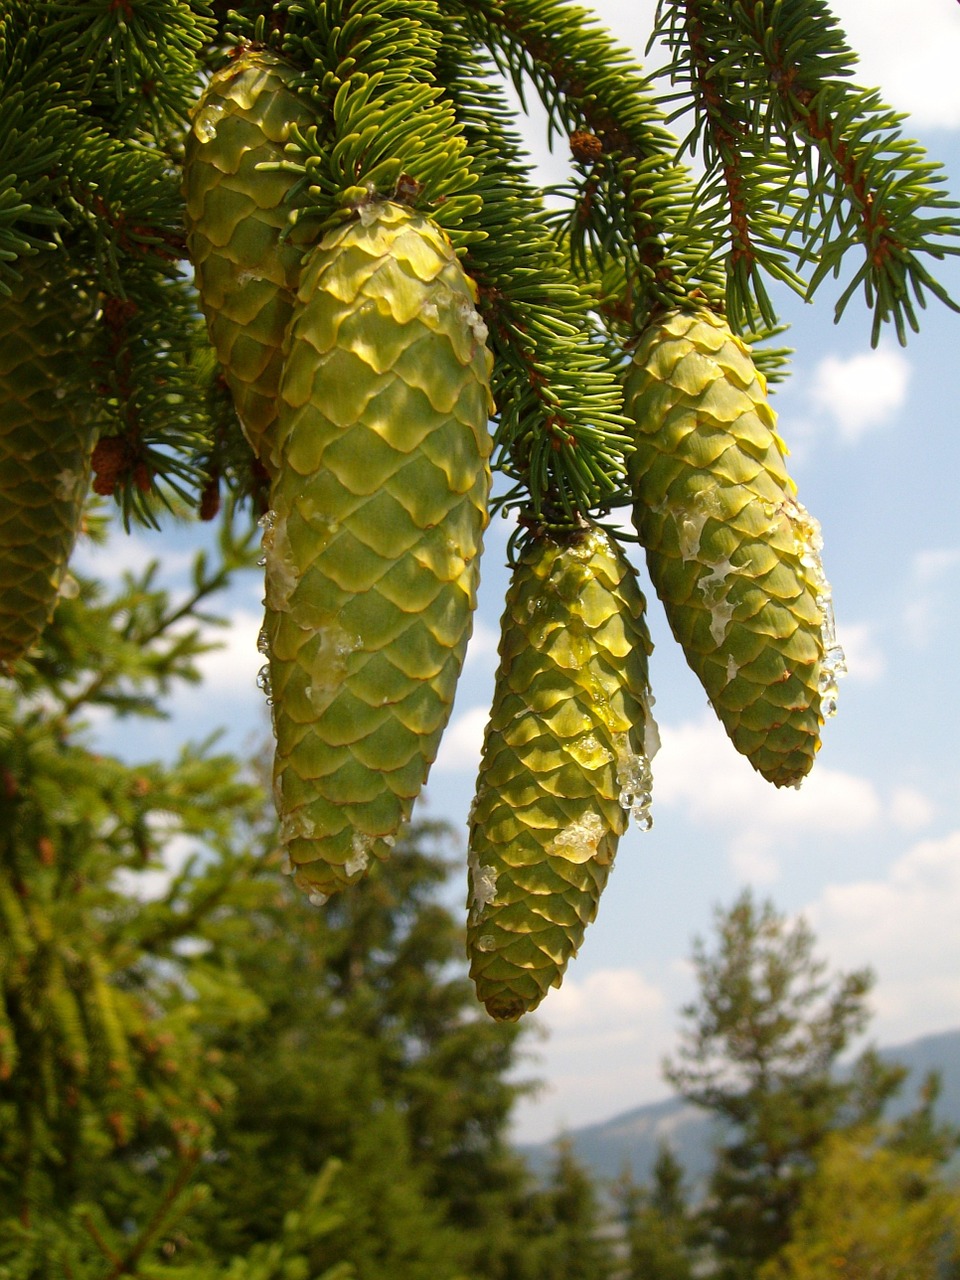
point(760, 1050)
point(199, 1071)
point(872, 1210)
point(392, 112)
point(108, 1086)
point(569, 1239)
point(657, 1223)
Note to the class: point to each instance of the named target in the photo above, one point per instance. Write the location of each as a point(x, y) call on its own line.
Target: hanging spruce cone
point(246, 274)
point(565, 758)
point(732, 554)
point(373, 537)
point(45, 446)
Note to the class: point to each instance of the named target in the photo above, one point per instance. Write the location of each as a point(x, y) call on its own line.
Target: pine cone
point(246, 275)
point(732, 554)
point(565, 758)
point(374, 533)
point(45, 447)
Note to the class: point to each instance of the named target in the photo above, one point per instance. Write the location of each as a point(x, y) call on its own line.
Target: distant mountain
point(632, 1140)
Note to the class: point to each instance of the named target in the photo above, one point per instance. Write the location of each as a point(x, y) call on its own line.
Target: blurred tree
point(657, 1223)
point(108, 1090)
point(566, 1227)
point(872, 1211)
point(760, 1049)
point(186, 1043)
point(371, 1050)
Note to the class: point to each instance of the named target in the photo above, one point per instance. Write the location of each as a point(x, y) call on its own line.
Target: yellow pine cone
point(45, 448)
point(371, 544)
point(246, 274)
point(732, 554)
point(566, 757)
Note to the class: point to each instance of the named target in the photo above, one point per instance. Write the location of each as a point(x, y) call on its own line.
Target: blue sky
point(869, 849)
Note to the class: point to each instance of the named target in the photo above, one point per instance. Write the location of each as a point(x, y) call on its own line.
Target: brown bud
point(586, 147)
point(210, 499)
point(109, 462)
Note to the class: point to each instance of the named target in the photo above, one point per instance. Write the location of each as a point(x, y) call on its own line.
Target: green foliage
point(760, 1050)
point(802, 170)
point(185, 1044)
point(561, 441)
point(802, 166)
point(657, 1223)
point(567, 1241)
point(107, 1085)
point(871, 1210)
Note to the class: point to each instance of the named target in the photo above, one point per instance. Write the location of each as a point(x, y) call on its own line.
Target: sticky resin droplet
point(360, 844)
point(68, 482)
point(715, 589)
point(483, 885)
point(264, 683)
point(282, 574)
point(317, 899)
point(473, 321)
point(206, 121)
point(296, 826)
point(579, 841)
point(690, 519)
point(809, 543)
point(635, 779)
point(370, 211)
point(486, 942)
point(286, 865)
point(263, 642)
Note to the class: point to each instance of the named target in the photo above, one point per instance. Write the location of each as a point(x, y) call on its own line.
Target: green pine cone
point(732, 554)
point(372, 542)
point(45, 448)
point(246, 275)
point(566, 756)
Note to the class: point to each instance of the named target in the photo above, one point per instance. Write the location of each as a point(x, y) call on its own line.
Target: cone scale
point(45, 448)
point(373, 536)
point(246, 270)
point(733, 556)
point(565, 759)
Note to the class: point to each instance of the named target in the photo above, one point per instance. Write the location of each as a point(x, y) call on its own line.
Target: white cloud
point(905, 927)
point(698, 768)
point(911, 52)
point(483, 643)
point(753, 859)
point(932, 565)
point(699, 772)
point(150, 885)
point(462, 742)
point(601, 1005)
point(929, 592)
point(232, 668)
point(865, 659)
point(607, 1033)
point(128, 553)
point(862, 392)
point(910, 809)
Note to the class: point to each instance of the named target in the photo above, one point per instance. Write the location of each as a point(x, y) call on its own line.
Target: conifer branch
point(384, 130)
point(561, 435)
point(781, 129)
point(631, 200)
